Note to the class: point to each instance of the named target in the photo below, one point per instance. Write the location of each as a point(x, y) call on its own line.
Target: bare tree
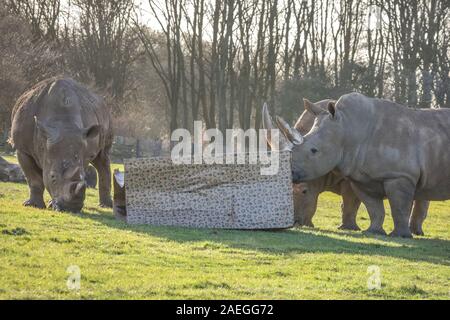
point(102, 44)
point(43, 16)
point(171, 69)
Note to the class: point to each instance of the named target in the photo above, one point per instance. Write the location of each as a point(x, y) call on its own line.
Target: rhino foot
point(34, 203)
point(379, 231)
point(309, 224)
point(304, 224)
point(416, 230)
point(353, 227)
point(403, 233)
point(106, 203)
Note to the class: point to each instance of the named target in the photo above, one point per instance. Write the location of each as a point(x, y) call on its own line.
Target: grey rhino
point(307, 194)
point(385, 149)
point(58, 128)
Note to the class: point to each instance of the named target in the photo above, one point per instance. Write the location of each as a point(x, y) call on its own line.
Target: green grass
point(134, 262)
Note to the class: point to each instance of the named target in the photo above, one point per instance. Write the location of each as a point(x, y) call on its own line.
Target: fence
point(127, 147)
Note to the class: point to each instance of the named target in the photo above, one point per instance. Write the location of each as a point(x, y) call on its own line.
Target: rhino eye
point(314, 150)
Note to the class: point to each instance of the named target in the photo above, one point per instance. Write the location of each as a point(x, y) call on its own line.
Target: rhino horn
point(283, 144)
point(293, 135)
point(81, 187)
point(77, 189)
point(74, 174)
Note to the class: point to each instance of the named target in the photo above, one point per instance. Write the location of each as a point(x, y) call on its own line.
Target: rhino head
point(65, 157)
point(320, 150)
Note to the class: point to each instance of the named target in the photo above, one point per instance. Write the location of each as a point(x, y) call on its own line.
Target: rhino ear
point(332, 108)
point(91, 132)
point(50, 133)
point(312, 107)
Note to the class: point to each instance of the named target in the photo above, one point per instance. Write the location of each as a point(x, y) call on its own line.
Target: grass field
point(135, 262)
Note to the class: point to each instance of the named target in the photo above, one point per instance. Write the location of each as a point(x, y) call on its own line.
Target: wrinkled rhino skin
point(10, 172)
point(386, 150)
point(58, 128)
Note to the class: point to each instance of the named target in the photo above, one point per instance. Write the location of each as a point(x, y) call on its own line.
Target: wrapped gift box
point(231, 196)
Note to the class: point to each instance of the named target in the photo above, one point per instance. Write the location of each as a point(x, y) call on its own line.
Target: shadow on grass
point(294, 241)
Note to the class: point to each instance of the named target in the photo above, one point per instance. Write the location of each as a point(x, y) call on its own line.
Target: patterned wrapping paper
point(231, 196)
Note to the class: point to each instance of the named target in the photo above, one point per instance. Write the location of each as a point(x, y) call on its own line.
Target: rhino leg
point(298, 206)
point(418, 215)
point(375, 208)
point(34, 179)
point(350, 206)
point(310, 210)
point(400, 193)
point(310, 207)
point(102, 164)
